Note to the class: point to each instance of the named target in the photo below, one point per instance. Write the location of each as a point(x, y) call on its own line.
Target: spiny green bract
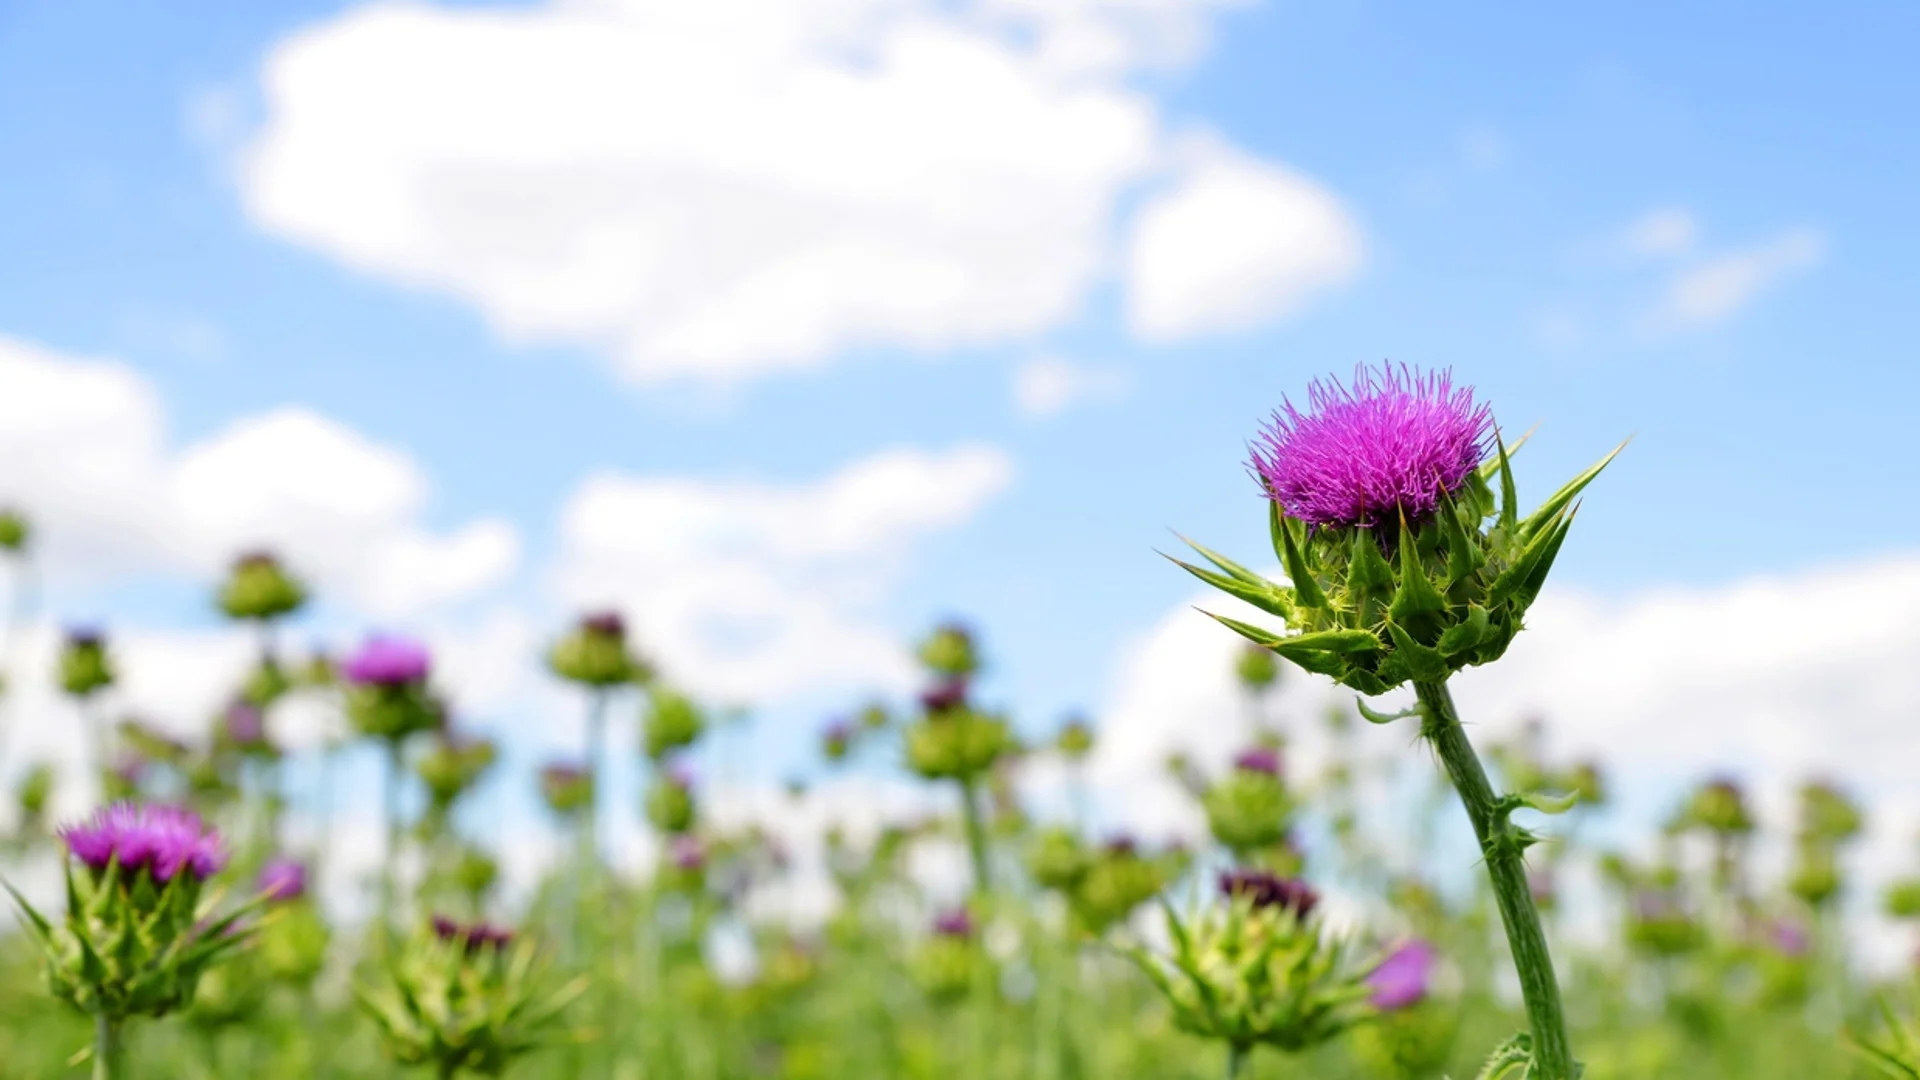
point(956, 745)
point(1248, 975)
point(439, 1002)
point(1376, 608)
point(129, 946)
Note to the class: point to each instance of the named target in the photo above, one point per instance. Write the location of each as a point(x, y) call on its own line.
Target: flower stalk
point(106, 1048)
point(1503, 845)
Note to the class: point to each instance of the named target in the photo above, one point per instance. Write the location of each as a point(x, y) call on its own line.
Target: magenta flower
point(954, 924)
point(605, 623)
point(1790, 938)
point(284, 879)
point(473, 937)
point(245, 725)
point(162, 840)
point(1392, 443)
point(1402, 979)
point(388, 661)
point(1266, 889)
point(947, 696)
point(1259, 759)
point(687, 853)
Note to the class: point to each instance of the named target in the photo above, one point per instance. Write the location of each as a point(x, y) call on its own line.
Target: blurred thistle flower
point(1720, 806)
point(1266, 889)
point(1057, 859)
point(945, 697)
point(466, 998)
point(1402, 979)
point(1827, 813)
point(453, 766)
point(1255, 668)
point(566, 787)
point(162, 841)
point(1789, 937)
point(956, 923)
point(1387, 446)
point(1259, 759)
point(243, 726)
point(669, 801)
point(595, 653)
point(388, 661)
point(836, 740)
point(135, 939)
point(15, 531)
point(687, 853)
point(259, 588)
point(283, 879)
point(672, 722)
point(85, 667)
point(949, 652)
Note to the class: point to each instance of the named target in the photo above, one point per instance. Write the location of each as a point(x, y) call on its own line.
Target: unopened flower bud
point(15, 531)
point(949, 652)
point(259, 588)
point(85, 666)
point(672, 722)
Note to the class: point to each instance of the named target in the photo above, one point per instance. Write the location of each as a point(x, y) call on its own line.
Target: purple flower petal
point(1402, 979)
point(388, 661)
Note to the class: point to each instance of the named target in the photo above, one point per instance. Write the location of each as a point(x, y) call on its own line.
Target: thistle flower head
point(1402, 979)
point(946, 696)
point(1266, 889)
point(284, 879)
point(687, 853)
point(244, 725)
point(388, 661)
point(1259, 759)
point(605, 623)
point(473, 937)
point(162, 840)
point(1392, 443)
point(953, 924)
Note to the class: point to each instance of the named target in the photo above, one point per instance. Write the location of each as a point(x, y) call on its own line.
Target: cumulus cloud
point(749, 591)
point(724, 189)
point(1048, 385)
point(1235, 242)
point(1715, 290)
point(83, 450)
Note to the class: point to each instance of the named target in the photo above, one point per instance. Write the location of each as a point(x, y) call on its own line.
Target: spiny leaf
point(1466, 634)
point(1264, 595)
point(1375, 717)
point(1509, 497)
point(1526, 568)
point(1546, 511)
point(1416, 597)
point(1421, 663)
point(1305, 588)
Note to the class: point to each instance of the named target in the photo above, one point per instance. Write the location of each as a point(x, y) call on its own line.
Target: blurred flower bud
point(669, 804)
point(85, 668)
point(387, 695)
point(957, 744)
point(258, 588)
point(452, 767)
point(1075, 740)
point(34, 790)
point(672, 722)
point(1720, 806)
point(949, 652)
point(1056, 859)
point(595, 654)
point(1248, 809)
point(15, 531)
point(1256, 668)
point(567, 788)
point(837, 740)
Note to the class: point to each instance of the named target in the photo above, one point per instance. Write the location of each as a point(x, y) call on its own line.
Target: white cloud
point(1047, 385)
point(1235, 243)
point(1713, 291)
point(723, 189)
point(1664, 231)
point(83, 451)
point(750, 591)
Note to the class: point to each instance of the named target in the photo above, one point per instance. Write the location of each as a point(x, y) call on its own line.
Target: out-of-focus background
point(789, 327)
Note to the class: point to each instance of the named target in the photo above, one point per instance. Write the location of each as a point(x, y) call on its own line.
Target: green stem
point(1552, 1056)
point(976, 836)
point(1236, 1060)
point(106, 1048)
point(596, 741)
point(389, 887)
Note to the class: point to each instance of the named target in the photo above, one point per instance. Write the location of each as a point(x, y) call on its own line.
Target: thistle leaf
point(1374, 716)
point(1416, 598)
point(1466, 634)
point(1509, 497)
point(1305, 589)
point(1263, 595)
point(1543, 515)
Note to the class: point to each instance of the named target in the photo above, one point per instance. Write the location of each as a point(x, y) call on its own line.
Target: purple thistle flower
point(245, 726)
point(687, 853)
point(473, 937)
point(949, 695)
point(1392, 443)
point(85, 637)
point(162, 840)
point(388, 661)
point(1266, 889)
point(1402, 979)
point(1122, 845)
point(284, 879)
point(954, 924)
point(1790, 938)
point(605, 623)
point(1259, 759)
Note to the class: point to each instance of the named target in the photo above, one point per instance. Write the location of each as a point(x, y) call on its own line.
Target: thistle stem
point(596, 740)
point(1552, 1056)
point(389, 879)
point(106, 1048)
point(1236, 1060)
point(976, 835)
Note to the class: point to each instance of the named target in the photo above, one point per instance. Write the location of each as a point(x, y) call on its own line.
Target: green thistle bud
point(1057, 860)
point(1248, 809)
point(259, 589)
point(392, 712)
point(1075, 740)
point(1815, 877)
point(15, 531)
point(595, 654)
point(1259, 970)
point(1115, 883)
point(1256, 668)
point(1827, 813)
point(293, 944)
point(34, 790)
point(1408, 1044)
point(1720, 806)
point(957, 744)
point(949, 652)
point(670, 806)
point(673, 721)
point(465, 999)
point(452, 767)
point(1902, 899)
point(949, 963)
point(475, 872)
point(267, 683)
point(85, 667)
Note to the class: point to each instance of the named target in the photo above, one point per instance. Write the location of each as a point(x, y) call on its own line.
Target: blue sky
point(1495, 165)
